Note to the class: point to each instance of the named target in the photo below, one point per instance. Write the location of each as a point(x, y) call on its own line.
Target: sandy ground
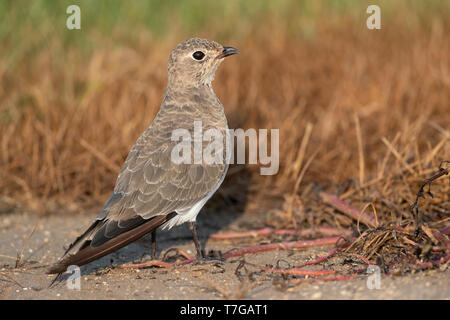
point(104, 280)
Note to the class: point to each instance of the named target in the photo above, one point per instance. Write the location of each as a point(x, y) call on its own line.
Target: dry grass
point(373, 106)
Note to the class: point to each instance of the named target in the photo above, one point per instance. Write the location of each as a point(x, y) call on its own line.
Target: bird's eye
point(198, 55)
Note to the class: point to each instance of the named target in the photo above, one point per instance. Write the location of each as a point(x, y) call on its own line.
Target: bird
point(152, 191)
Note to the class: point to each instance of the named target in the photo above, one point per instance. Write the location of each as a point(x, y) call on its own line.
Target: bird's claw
point(213, 256)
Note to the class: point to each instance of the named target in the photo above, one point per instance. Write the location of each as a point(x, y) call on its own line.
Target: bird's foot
point(213, 256)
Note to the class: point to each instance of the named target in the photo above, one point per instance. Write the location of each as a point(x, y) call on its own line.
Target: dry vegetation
point(363, 114)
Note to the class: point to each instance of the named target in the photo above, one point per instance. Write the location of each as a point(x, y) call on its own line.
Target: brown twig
point(11, 279)
point(347, 209)
point(414, 209)
point(420, 245)
point(320, 259)
point(245, 234)
point(432, 263)
point(19, 255)
point(179, 251)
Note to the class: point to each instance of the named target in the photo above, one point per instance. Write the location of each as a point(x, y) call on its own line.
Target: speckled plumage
point(151, 189)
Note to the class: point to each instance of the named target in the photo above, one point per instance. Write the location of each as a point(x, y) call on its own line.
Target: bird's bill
point(227, 51)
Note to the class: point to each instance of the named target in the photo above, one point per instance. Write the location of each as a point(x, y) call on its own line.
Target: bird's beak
point(227, 51)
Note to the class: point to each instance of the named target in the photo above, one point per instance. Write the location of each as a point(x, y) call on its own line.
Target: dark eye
point(198, 55)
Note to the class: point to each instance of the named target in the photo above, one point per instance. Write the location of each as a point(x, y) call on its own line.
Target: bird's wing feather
point(150, 185)
point(89, 253)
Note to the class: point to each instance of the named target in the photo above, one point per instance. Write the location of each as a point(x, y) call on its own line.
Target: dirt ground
point(103, 279)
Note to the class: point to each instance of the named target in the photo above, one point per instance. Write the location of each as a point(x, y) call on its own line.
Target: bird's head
point(195, 61)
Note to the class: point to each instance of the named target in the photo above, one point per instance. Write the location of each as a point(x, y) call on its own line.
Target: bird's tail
point(89, 253)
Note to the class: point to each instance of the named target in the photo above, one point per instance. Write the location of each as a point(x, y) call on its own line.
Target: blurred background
point(363, 112)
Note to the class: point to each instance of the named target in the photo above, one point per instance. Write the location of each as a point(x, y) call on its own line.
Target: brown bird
point(152, 190)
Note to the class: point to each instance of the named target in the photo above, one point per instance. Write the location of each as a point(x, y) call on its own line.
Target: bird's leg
point(200, 253)
point(154, 245)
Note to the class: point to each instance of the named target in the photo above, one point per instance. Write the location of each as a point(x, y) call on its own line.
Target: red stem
point(326, 231)
point(320, 259)
point(347, 209)
point(282, 245)
point(157, 263)
point(364, 259)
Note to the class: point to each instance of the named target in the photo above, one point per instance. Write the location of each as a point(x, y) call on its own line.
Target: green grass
point(27, 27)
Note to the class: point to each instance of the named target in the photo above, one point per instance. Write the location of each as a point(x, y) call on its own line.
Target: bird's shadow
point(227, 205)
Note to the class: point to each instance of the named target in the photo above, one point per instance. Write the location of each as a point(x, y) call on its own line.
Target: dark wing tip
point(89, 253)
point(58, 267)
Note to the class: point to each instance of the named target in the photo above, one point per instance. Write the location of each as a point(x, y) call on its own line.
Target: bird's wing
point(150, 185)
